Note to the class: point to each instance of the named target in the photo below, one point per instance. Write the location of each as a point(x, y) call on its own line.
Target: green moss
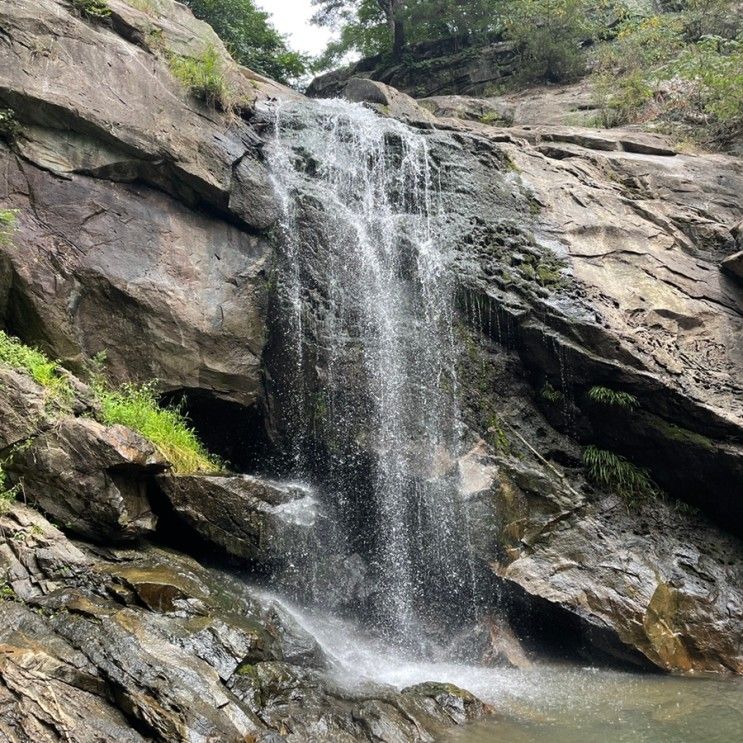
point(203, 76)
point(7, 593)
point(490, 117)
point(137, 407)
point(95, 9)
point(613, 471)
point(682, 435)
point(607, 396)
point(498, 438)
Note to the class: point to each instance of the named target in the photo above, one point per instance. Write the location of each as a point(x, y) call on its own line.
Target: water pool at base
point(556, 704)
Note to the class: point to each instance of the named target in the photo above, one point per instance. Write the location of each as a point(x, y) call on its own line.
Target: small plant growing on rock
point(96, 9)
point(617, 473)
point(7, 495)
point(550, 394)
point(9, 126)
point(607, 396)
point(203, 76)
point(7, 225)
point(137, 407)
point(19, 356)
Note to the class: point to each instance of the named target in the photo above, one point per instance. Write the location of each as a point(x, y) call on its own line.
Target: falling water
point(367, 380)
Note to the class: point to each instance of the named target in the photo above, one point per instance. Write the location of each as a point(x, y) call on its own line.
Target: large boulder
point(91, 478)
point(246, 517)
point(101, 253)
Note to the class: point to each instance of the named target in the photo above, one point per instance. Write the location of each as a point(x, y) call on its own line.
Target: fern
point(606, 396)
point(617, 473)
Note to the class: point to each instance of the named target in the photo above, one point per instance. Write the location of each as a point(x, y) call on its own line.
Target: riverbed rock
point(90, 477)
point(80, 635)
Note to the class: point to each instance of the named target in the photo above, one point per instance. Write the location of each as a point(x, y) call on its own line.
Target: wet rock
point(459, 704)
point(244, 516)
point(90, 477)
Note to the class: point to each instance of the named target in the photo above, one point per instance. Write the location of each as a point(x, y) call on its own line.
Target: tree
point(250, 38)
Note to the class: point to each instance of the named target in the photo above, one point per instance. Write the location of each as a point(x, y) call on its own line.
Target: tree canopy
point(250, 37)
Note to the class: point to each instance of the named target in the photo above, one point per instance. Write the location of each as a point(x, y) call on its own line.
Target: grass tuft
point(615, 472)
point(7, 225)
point(203, 76)
point(137, 407)
point(607, 396)
point(45, 372)
point(7, 495)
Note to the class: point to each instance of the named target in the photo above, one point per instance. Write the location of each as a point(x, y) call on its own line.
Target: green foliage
point(550, 394)
point(15, 354)
point(498, 438)
point(550, 34)
point(683, 67)
point(7, 225)
point(9, 126)
point(7, 495)
point(617, 473)
point(95, 9)
point(607, 396)
point(137, 407)
point(203, 77)
point(250, 38)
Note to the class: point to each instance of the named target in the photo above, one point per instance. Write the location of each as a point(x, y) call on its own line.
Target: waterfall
point(365, 375)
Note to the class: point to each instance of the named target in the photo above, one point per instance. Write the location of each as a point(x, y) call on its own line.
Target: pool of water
point(545, 703)
point(558, 704)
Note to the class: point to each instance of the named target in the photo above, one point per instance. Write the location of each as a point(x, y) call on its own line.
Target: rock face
point(103, 259)
point(149, 645)
point(91, 478)
point(446, 67)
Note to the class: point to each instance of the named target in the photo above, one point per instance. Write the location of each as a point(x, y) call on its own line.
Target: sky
point(292, 18)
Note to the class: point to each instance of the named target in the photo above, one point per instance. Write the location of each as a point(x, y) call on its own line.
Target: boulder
point(91, 478)
point(387, 101)
point(22, 407)
point(485, 110)
point(140, 210)
point(244, 516)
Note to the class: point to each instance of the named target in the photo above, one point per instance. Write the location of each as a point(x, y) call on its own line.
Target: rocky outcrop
point(246, 517)
point(149, 645)
point(91, 478)
point(446, 67)
point(118, 174)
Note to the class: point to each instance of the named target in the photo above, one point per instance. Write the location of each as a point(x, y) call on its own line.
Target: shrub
point(137, 407)
point(606, 396)
point(7, 495)
point(203, 77)
point(617, 473)
point(24, 358)
point(95, 9)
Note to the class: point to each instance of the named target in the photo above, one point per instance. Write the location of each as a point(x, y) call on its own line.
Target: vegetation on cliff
point(134, 406)
point(250, 38)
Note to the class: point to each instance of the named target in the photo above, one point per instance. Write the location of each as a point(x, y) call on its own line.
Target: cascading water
point(366, 372)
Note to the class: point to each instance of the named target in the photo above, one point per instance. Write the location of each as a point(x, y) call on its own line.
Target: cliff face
point(144, 229)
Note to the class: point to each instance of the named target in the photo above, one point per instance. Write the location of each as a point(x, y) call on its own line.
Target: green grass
point(7, 225)
point(95, 9)
point(203, 77)
point(617, 473)
point(607, 396)
point(550, 394)
point(44, 371)
point(7, 495)
point(137, 407)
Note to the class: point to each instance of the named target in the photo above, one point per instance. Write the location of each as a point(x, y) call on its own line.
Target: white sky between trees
point(292, 19)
